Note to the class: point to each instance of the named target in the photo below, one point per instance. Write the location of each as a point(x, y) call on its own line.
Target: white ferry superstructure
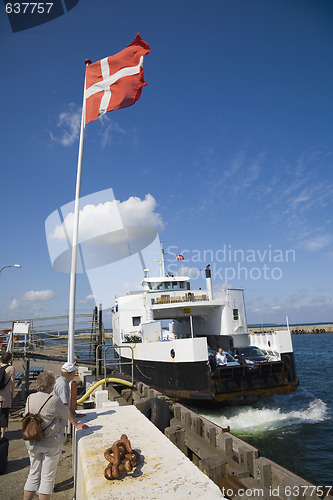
point(170, 329)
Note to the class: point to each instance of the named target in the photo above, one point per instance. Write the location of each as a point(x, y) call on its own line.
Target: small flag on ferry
point(179, 257)
point(115, 82)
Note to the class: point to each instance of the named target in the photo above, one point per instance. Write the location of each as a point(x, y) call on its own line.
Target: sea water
point(84, 348)
point(294, 430)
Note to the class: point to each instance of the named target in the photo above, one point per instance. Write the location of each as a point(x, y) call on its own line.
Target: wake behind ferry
point(165, 332)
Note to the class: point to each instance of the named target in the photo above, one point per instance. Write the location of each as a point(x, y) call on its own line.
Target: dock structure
point(236, 468)
point(163, 471)
point(233, 468)
point(296, 329)
point(234, 465)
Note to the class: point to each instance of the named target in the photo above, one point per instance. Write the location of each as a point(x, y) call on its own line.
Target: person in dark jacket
point(212, 362)
point(6, 394)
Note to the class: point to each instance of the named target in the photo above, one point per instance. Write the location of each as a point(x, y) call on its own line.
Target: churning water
point(294, 430)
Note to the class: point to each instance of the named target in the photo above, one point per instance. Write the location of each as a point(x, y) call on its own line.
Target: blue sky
point(228, 151)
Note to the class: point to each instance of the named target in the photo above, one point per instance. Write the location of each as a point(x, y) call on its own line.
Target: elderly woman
point(45, 454)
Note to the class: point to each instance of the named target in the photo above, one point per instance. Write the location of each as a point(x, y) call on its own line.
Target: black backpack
point(3, 382)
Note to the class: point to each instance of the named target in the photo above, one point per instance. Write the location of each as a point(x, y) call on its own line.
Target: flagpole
point(72, 285)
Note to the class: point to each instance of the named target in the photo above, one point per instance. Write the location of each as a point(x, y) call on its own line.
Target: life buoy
point(158, 412)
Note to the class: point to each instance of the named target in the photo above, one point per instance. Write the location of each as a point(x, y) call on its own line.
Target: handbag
point(32, 429)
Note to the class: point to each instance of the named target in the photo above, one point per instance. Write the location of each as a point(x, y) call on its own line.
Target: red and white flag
point(179, 257)
point(115, 82)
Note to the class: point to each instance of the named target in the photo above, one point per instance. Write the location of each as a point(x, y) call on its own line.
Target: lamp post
point(4, 267)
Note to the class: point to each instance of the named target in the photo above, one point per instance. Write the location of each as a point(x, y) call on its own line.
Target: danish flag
point(115, 82)
point(179, 257)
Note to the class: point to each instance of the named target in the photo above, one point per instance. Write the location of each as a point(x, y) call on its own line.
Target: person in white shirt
point(62, 390)
point(221, 357)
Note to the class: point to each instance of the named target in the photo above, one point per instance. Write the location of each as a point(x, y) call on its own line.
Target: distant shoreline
point(295, 328)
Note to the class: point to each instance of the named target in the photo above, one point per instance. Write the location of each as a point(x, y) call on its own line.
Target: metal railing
point(169, 299)
point(48, 337)
point(115, 361)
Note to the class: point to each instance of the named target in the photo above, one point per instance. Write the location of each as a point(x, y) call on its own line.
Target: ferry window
point(182, 284)
point(136, 320)
point(235, 313)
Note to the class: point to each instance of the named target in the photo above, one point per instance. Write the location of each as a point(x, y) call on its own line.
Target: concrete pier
point(295, 329)
point(164, 471)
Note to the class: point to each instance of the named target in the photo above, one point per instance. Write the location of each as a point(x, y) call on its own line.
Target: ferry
point(165, 332)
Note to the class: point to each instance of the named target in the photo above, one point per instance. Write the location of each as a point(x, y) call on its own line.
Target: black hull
point(193, 383)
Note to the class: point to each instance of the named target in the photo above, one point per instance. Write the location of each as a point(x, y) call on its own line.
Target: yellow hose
point(100, 382)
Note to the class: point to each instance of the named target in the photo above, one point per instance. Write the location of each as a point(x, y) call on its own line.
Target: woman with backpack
point(6, 389)
point(44, 455)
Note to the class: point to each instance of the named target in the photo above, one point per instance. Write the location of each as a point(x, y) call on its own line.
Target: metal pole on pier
point(102, 75)
point(72, 286)
point(100, 339)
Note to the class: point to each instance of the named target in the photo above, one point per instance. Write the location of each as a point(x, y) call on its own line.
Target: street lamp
point(4, 267)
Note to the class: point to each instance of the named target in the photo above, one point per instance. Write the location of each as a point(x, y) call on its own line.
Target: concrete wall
point(311, 328)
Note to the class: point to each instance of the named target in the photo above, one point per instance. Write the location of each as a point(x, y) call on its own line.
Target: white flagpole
point(72, 286)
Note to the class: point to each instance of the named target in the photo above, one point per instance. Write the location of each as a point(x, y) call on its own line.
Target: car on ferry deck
point(231, 361)
point(250, 355)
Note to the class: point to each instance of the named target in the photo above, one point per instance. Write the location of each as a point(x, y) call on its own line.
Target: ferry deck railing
point(115, 361)
point(170, 299)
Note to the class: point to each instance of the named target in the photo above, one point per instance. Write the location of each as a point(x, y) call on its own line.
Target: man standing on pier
point(62, 390)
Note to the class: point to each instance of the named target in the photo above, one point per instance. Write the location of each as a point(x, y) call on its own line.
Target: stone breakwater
point(296, 329)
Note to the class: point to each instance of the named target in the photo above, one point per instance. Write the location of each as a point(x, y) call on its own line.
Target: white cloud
point(87, 299)
point(317, 243)
point(109, 130)
point(15, 304)
point(38, 296)
point(193, 273)
point(186, 271)
point(69, 123)
point(32, 300)
point(104, 217)
point(137, 212)
point(301, 198)
point(302, 306)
